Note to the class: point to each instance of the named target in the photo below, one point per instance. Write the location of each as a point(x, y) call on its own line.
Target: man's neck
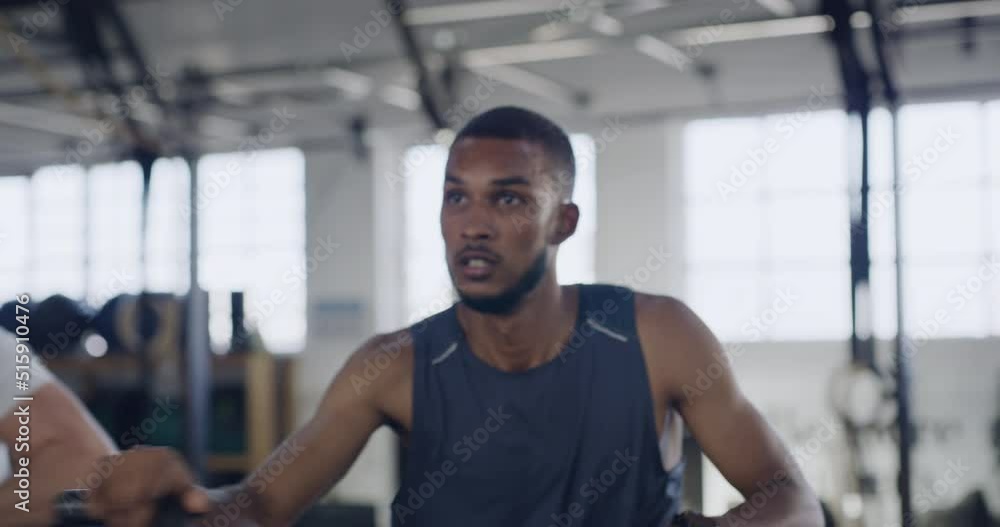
point(530, 336)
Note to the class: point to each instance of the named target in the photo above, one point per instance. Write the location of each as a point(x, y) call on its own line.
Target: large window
point(78, 233)
point(767, 222)
point(950, 181)
point(114, 230)
point(252, 238)
point(767, 225)
point(429, 288)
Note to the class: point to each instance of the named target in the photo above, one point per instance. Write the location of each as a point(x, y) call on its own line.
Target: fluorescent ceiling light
point(782, 8)
point(661, 51)
point(786, 27)
point(355, 85)
point(534, 52)
point(607, 25)
point(464, 12)
point(404, 98)
point(531, 82)
point(551, 31)
point(949, 11)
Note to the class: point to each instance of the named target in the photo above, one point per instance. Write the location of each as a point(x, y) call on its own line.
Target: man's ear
point(569, 216)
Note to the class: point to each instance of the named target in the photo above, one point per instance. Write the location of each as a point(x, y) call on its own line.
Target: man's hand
point(128, 497)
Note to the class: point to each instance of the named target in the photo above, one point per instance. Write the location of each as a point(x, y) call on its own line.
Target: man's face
point(502, 211)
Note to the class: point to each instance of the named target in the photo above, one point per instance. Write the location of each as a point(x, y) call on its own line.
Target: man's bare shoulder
point(383, 360)
point(665, 317)
point(675, 341)
point(380, 373)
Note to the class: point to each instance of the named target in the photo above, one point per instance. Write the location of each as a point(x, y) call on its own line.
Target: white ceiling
point(750, 75)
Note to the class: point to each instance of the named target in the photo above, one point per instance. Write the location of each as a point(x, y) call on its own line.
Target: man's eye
point(510, 199)
point(453, 198)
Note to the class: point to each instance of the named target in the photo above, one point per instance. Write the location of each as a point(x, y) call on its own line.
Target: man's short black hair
point(511, 122)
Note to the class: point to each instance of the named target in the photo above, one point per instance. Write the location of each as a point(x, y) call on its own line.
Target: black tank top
point(570, 443)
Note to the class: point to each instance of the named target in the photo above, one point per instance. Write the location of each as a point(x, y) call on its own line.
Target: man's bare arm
point(727, 427)
point(320, 454)
point(306, 464)
point(65, 444)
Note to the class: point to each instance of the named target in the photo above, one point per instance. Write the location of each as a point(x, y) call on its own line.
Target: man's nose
point(479, 225)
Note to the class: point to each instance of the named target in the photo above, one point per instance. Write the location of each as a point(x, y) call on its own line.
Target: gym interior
point(207, 205)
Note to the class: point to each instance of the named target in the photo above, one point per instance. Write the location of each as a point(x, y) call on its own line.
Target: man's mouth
point(477, 265)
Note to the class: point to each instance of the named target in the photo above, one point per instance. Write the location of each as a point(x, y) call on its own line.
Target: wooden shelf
point(267, 391)
point(77, 364)
point(117, 363)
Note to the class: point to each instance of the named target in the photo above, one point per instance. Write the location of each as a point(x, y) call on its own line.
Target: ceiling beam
point(433, 97)
point(581, 47)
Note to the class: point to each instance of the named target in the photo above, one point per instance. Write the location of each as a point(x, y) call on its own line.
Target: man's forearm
point(239, 507)
point(791, 507)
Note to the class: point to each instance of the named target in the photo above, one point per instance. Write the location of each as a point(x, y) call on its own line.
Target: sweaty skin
point(500, 198)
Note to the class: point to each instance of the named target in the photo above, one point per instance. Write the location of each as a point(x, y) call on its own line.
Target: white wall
point(358, 205)
point(340, 206)
point(638, 196)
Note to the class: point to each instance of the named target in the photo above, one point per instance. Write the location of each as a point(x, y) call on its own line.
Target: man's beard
point(505, 302)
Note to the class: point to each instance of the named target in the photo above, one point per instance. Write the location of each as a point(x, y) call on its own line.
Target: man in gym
point(526, 403)
point(61, 445)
